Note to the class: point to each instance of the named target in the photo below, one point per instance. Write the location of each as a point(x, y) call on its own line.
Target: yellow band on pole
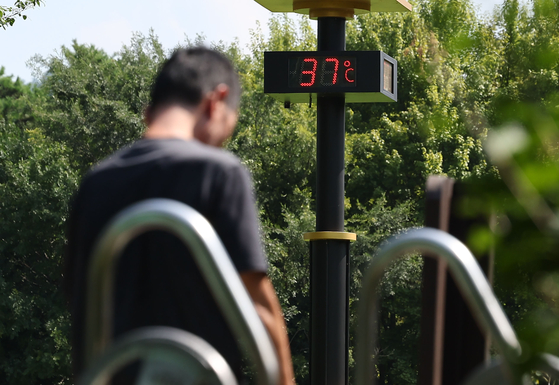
point(330, 235)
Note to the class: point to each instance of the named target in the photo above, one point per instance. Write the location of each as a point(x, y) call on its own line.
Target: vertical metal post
point(462, 333)
point(452, 344)
point(330, 255)
point(330, 137)
point(437, 214)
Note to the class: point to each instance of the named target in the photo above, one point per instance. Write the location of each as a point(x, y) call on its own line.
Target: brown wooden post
point(451, 343)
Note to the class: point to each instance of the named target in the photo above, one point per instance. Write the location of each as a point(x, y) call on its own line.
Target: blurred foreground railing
point(213, 262)
point(475, 289)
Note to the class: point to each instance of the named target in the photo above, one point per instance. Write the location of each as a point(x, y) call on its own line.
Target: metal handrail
point(181, 349)
point(468, 276)
point(211, 258)
point(494, 372)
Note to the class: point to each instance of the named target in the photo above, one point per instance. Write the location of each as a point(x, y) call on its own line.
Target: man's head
point(202, 81)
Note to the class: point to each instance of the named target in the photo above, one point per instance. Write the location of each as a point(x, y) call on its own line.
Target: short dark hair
point(191, 73)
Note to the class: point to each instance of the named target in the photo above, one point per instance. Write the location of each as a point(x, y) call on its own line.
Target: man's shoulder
point(167, 152)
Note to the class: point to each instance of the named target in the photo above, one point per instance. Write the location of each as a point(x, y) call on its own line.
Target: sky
point(108, 24)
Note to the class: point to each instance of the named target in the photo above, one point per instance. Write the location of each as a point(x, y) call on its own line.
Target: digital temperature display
point(318, 71)
point(302, 77)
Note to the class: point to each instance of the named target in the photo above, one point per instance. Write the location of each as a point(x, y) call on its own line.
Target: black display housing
point(369, 77)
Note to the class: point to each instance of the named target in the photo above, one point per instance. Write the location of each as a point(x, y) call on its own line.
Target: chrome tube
point(191, 359)
point(211, 258)
point(468, 276)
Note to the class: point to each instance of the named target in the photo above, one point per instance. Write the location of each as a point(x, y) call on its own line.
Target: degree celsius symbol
point(347, 64)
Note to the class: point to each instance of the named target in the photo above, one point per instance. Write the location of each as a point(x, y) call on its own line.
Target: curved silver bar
point(468, 276)
point(549, 364)
point(494, 373)
point(193, 360)
point(212, 259)
point(491, 374)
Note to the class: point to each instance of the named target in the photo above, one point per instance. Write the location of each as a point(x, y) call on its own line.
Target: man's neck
point(172, 123)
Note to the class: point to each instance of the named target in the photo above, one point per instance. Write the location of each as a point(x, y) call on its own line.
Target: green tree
point(392, 148)
point(49, 135)
point(36, 181)
point(15, 106)
point(522, 145)
point(96, 101)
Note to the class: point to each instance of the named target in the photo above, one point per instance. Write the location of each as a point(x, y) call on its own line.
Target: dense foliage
point(459, 75)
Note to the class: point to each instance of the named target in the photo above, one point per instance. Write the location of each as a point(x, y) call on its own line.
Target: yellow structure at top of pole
point(335, 8)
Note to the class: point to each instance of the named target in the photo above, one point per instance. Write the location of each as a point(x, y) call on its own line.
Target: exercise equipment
point(170, 356)
point(219, 273)
point(476, 291)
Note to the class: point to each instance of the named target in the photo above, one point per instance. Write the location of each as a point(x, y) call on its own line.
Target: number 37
point(329, 72)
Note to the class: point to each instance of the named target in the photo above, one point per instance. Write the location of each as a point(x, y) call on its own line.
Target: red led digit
point(336, 65)
point(308, 72)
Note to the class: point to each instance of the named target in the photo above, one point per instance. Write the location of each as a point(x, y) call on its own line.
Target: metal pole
point(330, 256)
point(451, 343)
point(330, 137)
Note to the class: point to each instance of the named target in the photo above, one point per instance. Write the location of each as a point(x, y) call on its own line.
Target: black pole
point(330, 257)
point(330, 137)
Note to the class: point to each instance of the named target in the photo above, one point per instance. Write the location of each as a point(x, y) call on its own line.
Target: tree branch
point(8, 14)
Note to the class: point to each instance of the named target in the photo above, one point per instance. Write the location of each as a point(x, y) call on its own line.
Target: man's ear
point(219, 94)
point(222, 91)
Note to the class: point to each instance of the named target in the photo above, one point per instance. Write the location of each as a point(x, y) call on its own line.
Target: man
point(193, 110)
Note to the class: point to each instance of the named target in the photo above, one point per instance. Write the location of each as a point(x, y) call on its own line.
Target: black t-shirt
point(157, 281)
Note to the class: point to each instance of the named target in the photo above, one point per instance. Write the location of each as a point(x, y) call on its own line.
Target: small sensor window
point(388, 77)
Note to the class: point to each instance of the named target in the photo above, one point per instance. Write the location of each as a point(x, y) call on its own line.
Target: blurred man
point(193, 110)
